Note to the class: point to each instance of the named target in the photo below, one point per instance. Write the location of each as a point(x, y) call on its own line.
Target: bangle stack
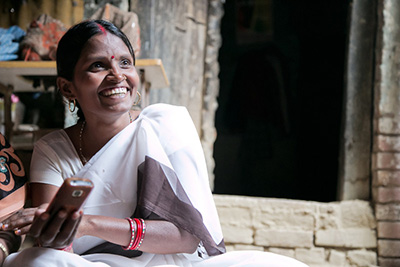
point(136, 239)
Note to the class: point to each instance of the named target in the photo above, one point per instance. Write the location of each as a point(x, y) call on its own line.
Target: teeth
point(115, 91)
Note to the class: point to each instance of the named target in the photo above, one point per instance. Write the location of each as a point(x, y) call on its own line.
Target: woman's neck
point(93, 135)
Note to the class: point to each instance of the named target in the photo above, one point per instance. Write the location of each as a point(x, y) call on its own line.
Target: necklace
point(130, 117)
point(83, 158)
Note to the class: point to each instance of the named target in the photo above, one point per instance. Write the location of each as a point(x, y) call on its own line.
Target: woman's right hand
point(20, 221)
point(56, 232)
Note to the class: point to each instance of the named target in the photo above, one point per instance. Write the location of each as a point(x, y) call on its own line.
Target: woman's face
point(99, 82)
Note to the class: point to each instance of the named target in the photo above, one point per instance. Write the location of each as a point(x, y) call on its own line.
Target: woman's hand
point(20, 221)
point(56, 232)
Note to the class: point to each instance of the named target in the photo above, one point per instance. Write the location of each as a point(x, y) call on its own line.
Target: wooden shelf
point(20, 74)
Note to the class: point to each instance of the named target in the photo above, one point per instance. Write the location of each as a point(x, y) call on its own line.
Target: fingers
point(60, 231)
point(52, 229)
point(68, 230)
point(39, 223)
point(19, 221)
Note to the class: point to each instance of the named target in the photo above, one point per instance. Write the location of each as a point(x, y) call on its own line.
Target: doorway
point(280, 102)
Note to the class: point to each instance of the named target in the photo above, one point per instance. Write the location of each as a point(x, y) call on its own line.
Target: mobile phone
point(70, 196)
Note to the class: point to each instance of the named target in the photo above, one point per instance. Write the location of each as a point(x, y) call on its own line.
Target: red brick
point(387, 143)
point(387, 160)
point(387, 194)
point(390, 230)
point(386, 178)
point(389, 248)
point(390, 212)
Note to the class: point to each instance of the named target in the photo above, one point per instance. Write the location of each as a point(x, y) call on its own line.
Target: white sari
point(153, 169)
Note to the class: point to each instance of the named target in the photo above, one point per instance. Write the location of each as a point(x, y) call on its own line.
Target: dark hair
point(71, 44)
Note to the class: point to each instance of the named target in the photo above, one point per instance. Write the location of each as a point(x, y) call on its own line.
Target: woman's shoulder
point(162, 108)
point(52, 138)
point(171, 123)
point(163, 111)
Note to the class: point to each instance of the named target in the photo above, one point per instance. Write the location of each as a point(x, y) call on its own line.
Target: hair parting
point(101, 28)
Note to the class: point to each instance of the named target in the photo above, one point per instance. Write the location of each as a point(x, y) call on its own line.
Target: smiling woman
point(151, 203)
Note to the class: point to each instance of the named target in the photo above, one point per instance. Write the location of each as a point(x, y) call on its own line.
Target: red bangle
point(143, 233)
point(131, 242)
point(67, 248)
point(141, 230)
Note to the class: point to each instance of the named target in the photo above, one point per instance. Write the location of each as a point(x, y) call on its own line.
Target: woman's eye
point(97, 66)
point(125, 63)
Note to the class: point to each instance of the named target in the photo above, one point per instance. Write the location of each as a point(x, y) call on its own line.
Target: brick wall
point(386, 194)
point(386, 132)
point(318, 234)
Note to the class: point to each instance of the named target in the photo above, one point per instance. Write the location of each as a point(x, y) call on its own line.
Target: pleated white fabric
point(44, 257)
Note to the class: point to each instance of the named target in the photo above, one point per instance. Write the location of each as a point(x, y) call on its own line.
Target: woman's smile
point(118, 92)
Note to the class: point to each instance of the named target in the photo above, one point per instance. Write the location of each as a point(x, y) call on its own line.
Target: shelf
point(21, 74)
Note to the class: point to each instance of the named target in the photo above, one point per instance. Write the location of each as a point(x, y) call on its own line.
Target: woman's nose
point(116, 76)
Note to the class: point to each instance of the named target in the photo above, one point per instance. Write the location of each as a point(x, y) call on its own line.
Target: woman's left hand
point(20, 221)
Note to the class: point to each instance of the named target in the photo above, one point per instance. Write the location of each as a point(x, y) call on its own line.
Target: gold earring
point(73, 102)
point(137, 102)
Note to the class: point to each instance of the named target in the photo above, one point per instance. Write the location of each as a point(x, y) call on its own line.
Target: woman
point(147, 165)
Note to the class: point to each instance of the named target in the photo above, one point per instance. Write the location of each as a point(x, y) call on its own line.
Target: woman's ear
point(65, 88)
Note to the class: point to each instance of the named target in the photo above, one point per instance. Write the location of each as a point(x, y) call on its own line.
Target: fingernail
point(62, 214)
point(44, 216)
point(17, 231)
point(1, 225)
point(4, 226)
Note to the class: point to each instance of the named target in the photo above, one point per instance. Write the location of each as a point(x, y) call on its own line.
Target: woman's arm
point(161, 237)
point(42, 193)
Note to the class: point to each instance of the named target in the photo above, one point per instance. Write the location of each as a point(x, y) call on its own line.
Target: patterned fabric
point(40, 42)
point(12, 180)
